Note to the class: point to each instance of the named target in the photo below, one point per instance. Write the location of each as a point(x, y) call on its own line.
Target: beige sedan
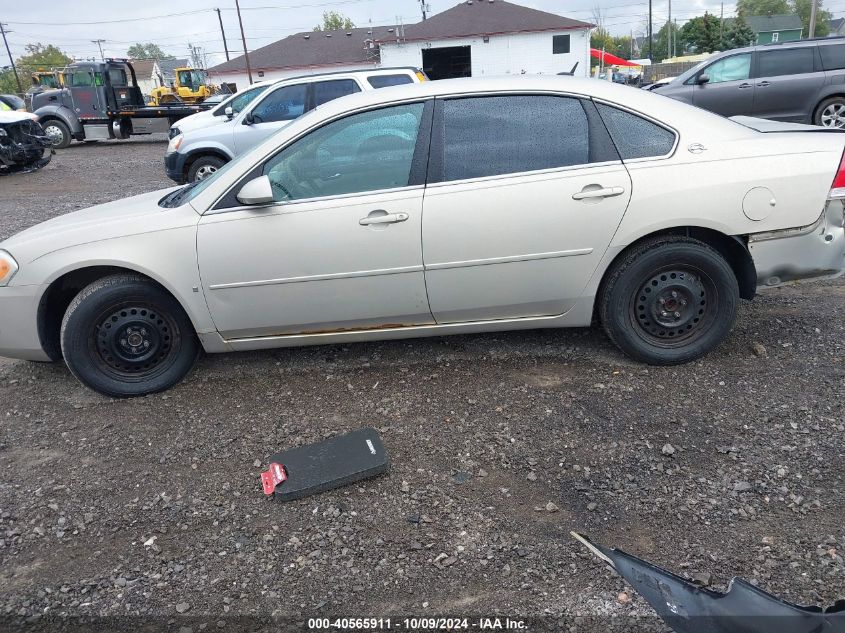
point(442, 208)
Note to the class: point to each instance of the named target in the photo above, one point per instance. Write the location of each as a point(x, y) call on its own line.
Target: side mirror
point(703, 78)
point(229, 112)
point(256, 191)
point(249, 119)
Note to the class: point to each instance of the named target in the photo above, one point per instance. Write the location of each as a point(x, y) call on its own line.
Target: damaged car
point(448, 207)
point(23, 145)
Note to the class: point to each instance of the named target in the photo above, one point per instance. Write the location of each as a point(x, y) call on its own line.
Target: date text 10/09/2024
point(418, 624)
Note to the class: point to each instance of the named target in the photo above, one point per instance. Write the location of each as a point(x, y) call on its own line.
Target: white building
point(473, 38)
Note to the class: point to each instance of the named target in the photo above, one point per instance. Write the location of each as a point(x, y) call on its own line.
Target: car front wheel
point(669, 300)
point(125, 336)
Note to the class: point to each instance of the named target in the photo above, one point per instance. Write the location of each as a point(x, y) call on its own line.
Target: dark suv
point(801, 81)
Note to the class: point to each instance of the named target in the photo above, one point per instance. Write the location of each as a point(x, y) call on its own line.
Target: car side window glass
point(733, 68)
point(491, 136)
point(785, 61)
point(81, 80)
point(242, 100)
point(363, 152)
point(384, 81)
point(634, 136)
point(833, 56)
point(325, 91)
point(283, 104)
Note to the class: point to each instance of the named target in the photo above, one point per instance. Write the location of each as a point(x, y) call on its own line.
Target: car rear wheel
point(203, 167)
point(670, 300)
point(57, 132)
point(831, 113)
point(125, 336)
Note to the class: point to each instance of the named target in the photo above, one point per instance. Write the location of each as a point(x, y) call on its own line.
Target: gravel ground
point(501, 444)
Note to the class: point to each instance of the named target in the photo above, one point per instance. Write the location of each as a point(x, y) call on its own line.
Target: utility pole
point(721, 22)
point(812, 27)
point(650, 49)
point(99, 44)
point(243, 39)
point(422, 6)
point(223, 33)
point(11, 61)
point(669, 31)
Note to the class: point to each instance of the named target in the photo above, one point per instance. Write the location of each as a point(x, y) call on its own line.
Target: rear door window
point(325, 91)
point(634, 136)
point(385, 81)
point(283, 104)
point(733, 68)
point(491, 136)
point(833, 57)
point(785, 61)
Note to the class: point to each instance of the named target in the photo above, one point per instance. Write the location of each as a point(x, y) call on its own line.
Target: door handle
point(385, 218)
point(764, 84)
point(604, 192)
point(745, 86)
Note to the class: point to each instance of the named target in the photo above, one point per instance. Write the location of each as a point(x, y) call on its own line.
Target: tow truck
point(101, 101)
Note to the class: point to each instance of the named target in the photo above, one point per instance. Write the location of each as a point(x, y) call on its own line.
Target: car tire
point(125, 336)
point(203, 167)
point(831, 113)
point(670, 300)
point(58, 132)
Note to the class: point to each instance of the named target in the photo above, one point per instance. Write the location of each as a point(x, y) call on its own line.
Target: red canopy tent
point(608, 59)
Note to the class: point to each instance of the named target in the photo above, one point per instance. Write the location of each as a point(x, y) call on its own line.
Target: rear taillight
point(837, 189)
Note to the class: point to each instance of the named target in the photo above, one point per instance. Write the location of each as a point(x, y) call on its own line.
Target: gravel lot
point(500, 445)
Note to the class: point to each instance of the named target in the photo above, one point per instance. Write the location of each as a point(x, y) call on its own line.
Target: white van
point(194, 154)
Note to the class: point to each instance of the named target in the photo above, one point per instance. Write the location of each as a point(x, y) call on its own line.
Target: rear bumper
point(801, 254)
point(19, 323)
point(174, 165)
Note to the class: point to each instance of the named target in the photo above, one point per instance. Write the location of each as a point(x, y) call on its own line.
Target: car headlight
point(174, 143)
point(8, 268)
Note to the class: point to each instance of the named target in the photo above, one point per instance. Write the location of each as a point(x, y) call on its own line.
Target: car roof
point(627, 96)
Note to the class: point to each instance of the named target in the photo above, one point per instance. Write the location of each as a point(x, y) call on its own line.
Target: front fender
point(64, 114)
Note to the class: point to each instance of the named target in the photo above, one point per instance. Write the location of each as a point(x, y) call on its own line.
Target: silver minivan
point(799, 81)
point(195, 154)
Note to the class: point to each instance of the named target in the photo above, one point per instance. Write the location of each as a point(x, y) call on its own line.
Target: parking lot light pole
point(243, 39)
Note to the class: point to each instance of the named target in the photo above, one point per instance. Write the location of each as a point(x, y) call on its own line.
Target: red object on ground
point(610, 60)
point(273, 477)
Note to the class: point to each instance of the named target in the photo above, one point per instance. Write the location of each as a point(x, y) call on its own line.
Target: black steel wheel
point(125, 336)
point(670, 300)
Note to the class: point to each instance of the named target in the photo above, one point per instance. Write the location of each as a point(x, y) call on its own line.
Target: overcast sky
point(268, 20)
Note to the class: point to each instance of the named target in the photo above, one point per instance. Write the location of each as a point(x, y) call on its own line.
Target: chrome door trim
point(326, 277)
point(509, 259)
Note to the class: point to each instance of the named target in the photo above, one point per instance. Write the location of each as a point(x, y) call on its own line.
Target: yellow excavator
point(190, 85)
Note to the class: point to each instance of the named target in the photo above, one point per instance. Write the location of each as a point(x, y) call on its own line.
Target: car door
point(729, 89)
point(524, 195)
point(339, 248)
point(787, 83)
point(269, 114)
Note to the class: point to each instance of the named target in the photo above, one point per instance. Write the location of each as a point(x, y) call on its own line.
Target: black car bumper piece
point(174, 165)
point(689, 608)
point(23, 147)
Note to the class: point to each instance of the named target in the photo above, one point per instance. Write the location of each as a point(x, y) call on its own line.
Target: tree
point(739, 34)
point(823, 17)
point(147, 51)
point(661, 43)
point(763, 7)
point(38, 57)
point(334, 21)
point(702, 34)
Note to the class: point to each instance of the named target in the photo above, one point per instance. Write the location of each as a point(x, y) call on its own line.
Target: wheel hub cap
point(834, 115)
point(205, 171)
point(54, 134)
point(671, 304)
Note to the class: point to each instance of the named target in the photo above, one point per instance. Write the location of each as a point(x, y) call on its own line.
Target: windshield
point(191, 78)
